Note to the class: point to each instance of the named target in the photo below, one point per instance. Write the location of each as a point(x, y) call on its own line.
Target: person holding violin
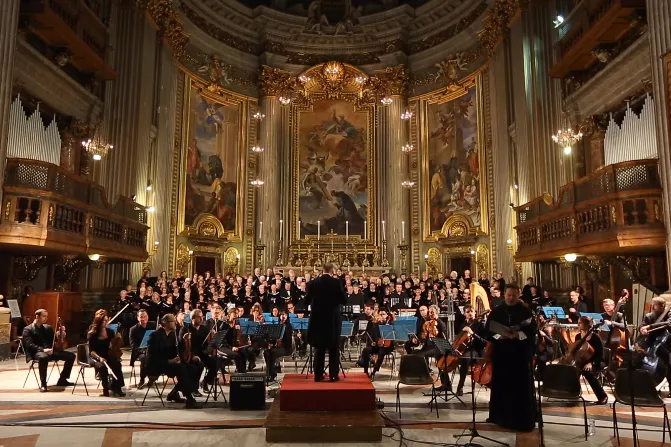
point(101, 357)
point(375, 344)
point(41, 344)
point(278, 348)
point(434, 327)
point(163, 358)
point(233, 348)
point(594, 364)
point(193, 349)
point(475, 328)
point(413, 342)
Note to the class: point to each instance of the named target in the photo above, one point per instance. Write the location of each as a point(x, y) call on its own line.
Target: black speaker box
point(248, 392)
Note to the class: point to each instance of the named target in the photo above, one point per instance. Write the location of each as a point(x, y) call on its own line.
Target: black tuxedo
point(325, 295)
point(162, 347)
point(38, 338)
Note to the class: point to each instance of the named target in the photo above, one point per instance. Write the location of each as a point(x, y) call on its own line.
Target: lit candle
point(365, 229)
point(281, 222)
point(299, 229)
point(403, 231)
point(319, 229)
point(384, 233)
point(260, 229)
point(346, 229)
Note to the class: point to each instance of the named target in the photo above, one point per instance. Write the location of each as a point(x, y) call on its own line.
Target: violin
point(60, 342)
point(187, 354)
point(430, 329)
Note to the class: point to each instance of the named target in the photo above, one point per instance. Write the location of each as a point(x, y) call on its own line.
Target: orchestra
point(185, 315)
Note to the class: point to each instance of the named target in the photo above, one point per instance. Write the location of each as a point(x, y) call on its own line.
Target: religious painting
point(333, 168)
point(454, 161)
point(211, 165)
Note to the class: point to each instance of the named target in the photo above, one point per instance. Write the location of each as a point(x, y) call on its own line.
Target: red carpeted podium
point(354, 393)
point(309, 411)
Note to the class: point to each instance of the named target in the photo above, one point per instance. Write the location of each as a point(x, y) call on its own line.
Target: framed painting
point(212, 165)
point(333, 168)
point(455, 173)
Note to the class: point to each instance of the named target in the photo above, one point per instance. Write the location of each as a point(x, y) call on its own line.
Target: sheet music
point(502, 331)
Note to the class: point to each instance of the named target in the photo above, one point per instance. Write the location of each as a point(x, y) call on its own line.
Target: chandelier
point(257, 182)
point(284, 100)
point(96, 148)
point(407, 148)
point(407, 183)
point(257, 149)
point(360, 80)
point(304, 79)
point(567, 139)
point(406, 115)
point(386, 100)
point(258, 116)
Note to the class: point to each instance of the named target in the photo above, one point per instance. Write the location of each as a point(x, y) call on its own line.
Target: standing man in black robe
point(325, 294)
point(512, 403)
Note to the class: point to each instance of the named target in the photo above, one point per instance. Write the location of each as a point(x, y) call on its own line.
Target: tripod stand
point(473, 430)
point(446, 349)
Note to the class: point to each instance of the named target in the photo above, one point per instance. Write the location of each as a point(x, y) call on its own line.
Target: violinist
point(375, 344)
point(198, 333)
point(163, 358)
point(413, 342)
point(39, 344)
point(476, 330)
point(585, 325)
point(234, 348)
point(216, 323)
point(136, 335)
point(435, 328)
point(279, 348)
point(99, 338)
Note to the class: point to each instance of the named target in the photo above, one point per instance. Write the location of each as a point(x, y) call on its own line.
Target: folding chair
point(19, 347)
point(34, 362)
point(152, 383)
point(83, 357)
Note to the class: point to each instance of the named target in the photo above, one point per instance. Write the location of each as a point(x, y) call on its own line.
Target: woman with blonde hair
point(257, 314)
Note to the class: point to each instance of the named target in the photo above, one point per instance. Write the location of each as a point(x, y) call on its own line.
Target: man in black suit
point(136, 335)
point(38, 342)
point(325, 294)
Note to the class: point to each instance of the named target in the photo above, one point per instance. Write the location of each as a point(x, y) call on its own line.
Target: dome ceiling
point(333, 9)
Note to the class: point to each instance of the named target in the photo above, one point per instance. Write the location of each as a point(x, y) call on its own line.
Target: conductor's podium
point(309, 411)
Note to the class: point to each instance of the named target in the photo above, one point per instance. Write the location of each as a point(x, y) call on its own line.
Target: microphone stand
point(539, 397)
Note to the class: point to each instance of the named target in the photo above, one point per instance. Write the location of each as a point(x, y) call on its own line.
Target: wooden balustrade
point(616, 209)
point(47, 206)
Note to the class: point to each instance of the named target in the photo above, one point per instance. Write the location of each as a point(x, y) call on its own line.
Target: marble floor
point(59, 418)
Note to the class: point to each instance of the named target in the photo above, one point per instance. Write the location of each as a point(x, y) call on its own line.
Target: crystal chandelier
point(406, 115)
point(407, 148)
point(257, 149)
point(407, 183)
point(566, 139)
point(386, 100)
point(284, 100)
point(258, 116)
point(96, 148)
point(257, 182)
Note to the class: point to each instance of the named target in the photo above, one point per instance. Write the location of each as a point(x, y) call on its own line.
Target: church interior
point(179, 174)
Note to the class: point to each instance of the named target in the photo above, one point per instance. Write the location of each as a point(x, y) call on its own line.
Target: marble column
point(9, 20)
point(659, 16)
point(270, 161)
point(393, 202)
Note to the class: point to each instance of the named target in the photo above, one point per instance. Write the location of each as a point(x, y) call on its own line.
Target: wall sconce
point(570, 257)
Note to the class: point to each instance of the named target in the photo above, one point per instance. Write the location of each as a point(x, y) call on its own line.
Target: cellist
point(375, 344)
point(476, 329)
point(585, 325)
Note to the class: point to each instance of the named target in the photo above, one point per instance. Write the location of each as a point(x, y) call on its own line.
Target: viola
point(60, 342)
point(187, 354)
point(115, 346)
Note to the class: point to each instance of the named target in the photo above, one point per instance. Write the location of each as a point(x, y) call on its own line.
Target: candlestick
point(403, 230)
point(299, 230)
point(347, 230)
point(260, 229)
point(365, 229)
point(384, 233)
point(281, 222)
point(319, 229)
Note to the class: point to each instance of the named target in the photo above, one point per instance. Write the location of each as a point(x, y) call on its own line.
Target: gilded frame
point(317, 92)
point(476, 80)
point(231, 99)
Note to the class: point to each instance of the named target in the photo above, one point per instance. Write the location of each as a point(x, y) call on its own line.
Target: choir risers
point(615, 210)
point(48, 209)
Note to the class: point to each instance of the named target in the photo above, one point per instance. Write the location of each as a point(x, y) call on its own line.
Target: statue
point(316, 18)
point(351, 18)
point(450, 68)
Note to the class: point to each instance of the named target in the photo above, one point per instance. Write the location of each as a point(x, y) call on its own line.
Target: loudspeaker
point(248, 391)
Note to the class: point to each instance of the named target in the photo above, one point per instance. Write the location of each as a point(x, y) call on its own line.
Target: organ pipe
point(635, 139)
point(28, 138)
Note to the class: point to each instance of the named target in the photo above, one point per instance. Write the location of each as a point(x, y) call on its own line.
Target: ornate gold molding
point(165, 19)
point(277, 82)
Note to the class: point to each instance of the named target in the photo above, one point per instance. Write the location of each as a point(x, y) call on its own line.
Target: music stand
point(114, 327)
point(558, 311)
point(446, 348)
point(248, 327)
point(347, 330)
point(145, 339)
point(217, 342)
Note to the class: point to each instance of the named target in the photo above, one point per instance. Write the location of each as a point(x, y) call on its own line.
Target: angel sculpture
point(450, 68)
point(316, 18)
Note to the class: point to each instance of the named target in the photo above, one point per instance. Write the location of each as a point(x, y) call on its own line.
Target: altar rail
point(49, 207)
point(615, 210)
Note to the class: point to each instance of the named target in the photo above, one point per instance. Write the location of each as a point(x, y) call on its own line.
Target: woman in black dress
point(99, 338)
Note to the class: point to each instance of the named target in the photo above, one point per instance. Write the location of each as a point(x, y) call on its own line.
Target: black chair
point(413, 370)
point(33, 364)
point(153, 383)
point(562, 382)
point(83, 358)
point(645, 395)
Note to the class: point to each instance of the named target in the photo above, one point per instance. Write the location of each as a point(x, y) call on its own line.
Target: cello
point(460, 346)
point(580, 353)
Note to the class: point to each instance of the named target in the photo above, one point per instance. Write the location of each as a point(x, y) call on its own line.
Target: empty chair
point(562, 382)
point(413, 370)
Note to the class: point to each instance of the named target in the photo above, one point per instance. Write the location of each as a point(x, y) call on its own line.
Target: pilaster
point(9, 19)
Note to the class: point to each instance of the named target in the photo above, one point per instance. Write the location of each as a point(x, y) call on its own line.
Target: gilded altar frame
point(457, 226)
point(345, 88)
point(208, 225)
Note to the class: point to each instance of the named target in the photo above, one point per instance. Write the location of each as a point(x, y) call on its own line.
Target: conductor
point(325, 294)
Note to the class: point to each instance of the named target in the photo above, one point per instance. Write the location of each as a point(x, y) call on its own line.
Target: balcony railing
point(47, 206)
point(616, 210)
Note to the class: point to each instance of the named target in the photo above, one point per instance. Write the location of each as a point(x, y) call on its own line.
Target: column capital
point(277, 82)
